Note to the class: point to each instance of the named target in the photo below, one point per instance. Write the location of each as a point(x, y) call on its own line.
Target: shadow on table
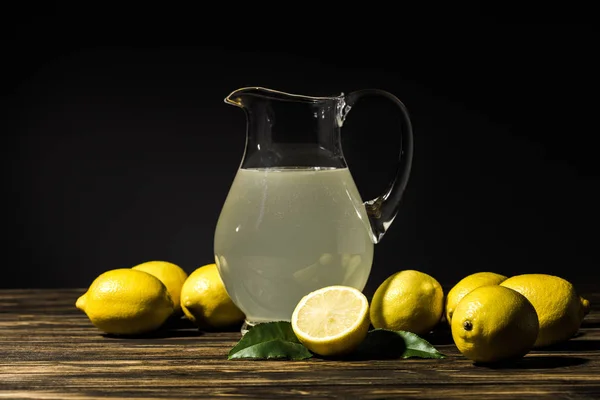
point(573, 345)
point(590, 324)
point(160, 334)
point(537, 362)
point(175, 328)
point(441, 335)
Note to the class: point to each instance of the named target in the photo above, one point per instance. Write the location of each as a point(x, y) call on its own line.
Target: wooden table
point(50, 350)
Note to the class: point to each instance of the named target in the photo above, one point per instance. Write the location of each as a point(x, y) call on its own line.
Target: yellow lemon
point(465, 285)
point(494, 323)
point(408, 300)
point(205, 301)
point(171, 275)
point(126, 302)
point(560, 310)
point(332, 320)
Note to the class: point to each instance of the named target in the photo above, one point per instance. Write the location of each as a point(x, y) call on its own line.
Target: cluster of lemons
point(492, 317)
point(496, 318)
point(141, 299)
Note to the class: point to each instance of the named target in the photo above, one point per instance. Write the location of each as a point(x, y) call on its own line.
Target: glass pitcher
point(293, 220)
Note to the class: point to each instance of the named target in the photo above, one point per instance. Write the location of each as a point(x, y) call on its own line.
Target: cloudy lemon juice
point(285, 232)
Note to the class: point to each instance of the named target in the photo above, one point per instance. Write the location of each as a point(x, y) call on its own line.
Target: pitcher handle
point(383, 209)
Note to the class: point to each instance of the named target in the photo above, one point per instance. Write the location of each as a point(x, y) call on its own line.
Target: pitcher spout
point(237, 97)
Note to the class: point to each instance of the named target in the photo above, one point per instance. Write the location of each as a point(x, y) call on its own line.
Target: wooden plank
point(50, 350)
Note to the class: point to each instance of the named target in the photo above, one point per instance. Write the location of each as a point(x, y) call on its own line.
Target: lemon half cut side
point(332, 320)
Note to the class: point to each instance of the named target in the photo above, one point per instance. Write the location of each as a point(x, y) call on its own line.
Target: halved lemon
point(332, 320)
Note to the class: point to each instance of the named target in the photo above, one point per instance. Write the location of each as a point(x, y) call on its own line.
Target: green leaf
point(274, 349)
point(270, 340)
point(388, 344)
point(276, 340)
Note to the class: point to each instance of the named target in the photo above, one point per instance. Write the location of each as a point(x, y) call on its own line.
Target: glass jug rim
point(260, 91)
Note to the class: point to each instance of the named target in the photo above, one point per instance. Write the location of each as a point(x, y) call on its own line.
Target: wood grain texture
point(50, 350)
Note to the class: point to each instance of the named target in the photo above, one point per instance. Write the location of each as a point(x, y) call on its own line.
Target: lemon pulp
point(332, 320)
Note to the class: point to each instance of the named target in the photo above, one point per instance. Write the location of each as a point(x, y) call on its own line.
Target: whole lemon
point(171, 275)
point(494, 323)
point(408, 300)
point(465, 285)
point(205, 301)
point(126, 302)
point(560, 310)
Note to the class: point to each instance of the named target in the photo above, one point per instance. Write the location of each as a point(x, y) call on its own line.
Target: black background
point(119, 148)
